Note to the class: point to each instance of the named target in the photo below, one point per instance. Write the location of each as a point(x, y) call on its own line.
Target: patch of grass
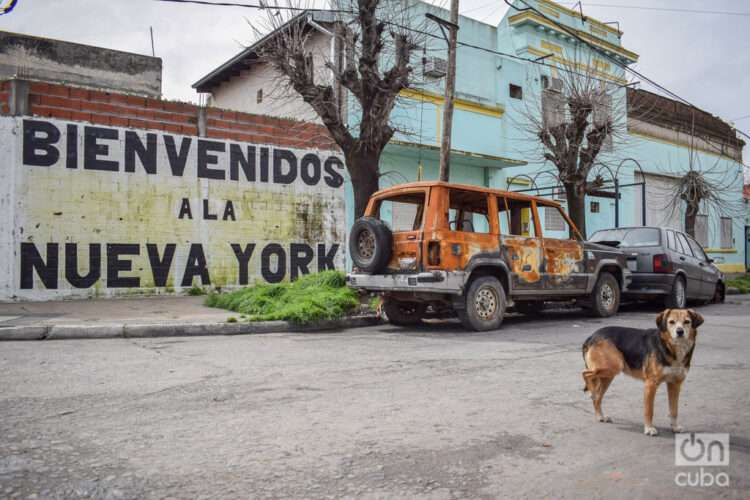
point(309, 299)
point(231, 319)
point(743, 283)
point(196, 290)
point(374, 303)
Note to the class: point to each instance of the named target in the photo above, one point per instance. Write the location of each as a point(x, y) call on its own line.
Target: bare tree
point(697, 189)
point(371, 63)
point(578, 117)
point(714, 190)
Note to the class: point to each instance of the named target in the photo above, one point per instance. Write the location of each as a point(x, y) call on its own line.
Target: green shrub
point(310, 299)
point(743, 283)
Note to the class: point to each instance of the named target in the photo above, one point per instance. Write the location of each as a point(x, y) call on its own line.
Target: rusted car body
point(443, 236)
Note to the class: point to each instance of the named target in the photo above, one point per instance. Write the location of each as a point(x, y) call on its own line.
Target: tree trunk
point(690, 216)
point(576, 196)
point(363, 170)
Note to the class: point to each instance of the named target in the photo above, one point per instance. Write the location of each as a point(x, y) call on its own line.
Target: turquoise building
point(514, 74)
point(504, 75)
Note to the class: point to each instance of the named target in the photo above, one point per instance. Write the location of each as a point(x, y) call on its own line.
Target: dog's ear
point(661, 320)
point(696, 318)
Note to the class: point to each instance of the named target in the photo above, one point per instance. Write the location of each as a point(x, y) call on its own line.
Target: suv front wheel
point(485, 304)
point(606, 299)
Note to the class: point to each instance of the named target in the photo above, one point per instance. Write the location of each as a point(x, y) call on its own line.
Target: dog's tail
point(584, 350)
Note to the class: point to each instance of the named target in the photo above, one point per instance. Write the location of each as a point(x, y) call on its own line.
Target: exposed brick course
point(121, 110)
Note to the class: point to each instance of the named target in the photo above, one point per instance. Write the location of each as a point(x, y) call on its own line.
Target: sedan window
point(697, 250)
point(670, 240)
point(684, 244)
point(632, 237)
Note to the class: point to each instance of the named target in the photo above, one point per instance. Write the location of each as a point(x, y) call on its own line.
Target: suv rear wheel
point(403, 313)
point(370, 244)
point(485, 304)
point(606, 299)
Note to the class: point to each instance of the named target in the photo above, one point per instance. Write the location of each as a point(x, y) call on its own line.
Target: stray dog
point(657, 355)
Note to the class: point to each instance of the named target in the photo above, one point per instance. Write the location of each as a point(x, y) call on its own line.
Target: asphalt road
point(384, 412)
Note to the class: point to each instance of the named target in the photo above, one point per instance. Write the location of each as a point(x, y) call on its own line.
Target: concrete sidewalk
point(138, 317)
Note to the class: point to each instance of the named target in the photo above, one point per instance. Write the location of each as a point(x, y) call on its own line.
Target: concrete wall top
point(44, 59)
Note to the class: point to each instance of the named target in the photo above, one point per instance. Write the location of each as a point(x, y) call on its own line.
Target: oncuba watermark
point(701, 449)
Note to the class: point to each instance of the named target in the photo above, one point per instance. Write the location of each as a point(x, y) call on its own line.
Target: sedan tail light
point(662, 263)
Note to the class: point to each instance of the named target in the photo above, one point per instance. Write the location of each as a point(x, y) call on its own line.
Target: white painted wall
point(71, 202)
point(240, 92)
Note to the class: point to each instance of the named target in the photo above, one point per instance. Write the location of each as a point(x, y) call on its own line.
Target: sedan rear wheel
point(676, 299)
point(719, 294)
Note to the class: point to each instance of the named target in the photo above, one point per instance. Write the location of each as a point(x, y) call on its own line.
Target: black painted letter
point(71, 265)
point(280, 155)
point(300, 257)
point(92, 149)
point(237, 160)
point(310, 160)
point(325, 260)
point(185, 209)
point(115, 265)
point(242, 258)
point(333, 179)
point(160, 267)
point(177, 160)
point(32, 144)
point(205, 158)
point(265, 263)
point(196, 266)
point(146, 154)
point(31, 260)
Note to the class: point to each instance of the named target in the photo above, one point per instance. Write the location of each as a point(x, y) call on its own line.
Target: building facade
point(509, 71)
point(106, 194)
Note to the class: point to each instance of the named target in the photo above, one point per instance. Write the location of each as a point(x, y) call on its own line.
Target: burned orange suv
point(469, 249)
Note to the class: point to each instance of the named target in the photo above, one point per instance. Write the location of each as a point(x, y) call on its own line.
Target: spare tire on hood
point(370, 242)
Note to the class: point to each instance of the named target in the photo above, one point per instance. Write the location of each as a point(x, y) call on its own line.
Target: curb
point(134, 330)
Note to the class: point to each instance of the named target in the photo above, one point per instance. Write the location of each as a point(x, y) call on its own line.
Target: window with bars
point(553, 219)
point(553, 108)
point(726, 232)
point(602, 111)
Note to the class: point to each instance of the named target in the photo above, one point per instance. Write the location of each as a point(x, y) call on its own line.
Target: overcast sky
point(702, 57)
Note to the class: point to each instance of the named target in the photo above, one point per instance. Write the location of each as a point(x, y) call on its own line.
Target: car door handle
point(682, 258)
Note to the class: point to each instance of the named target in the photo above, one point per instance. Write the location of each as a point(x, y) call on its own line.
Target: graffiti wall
point(94, 210)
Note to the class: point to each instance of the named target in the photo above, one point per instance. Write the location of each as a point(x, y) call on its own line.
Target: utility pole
point(450, 90)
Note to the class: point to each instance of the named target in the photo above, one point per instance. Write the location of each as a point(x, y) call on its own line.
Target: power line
point(10, 7)
point(616, 62)
point(262, 5)
point(690, 11)
point(477, 8)
point(556, 23)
